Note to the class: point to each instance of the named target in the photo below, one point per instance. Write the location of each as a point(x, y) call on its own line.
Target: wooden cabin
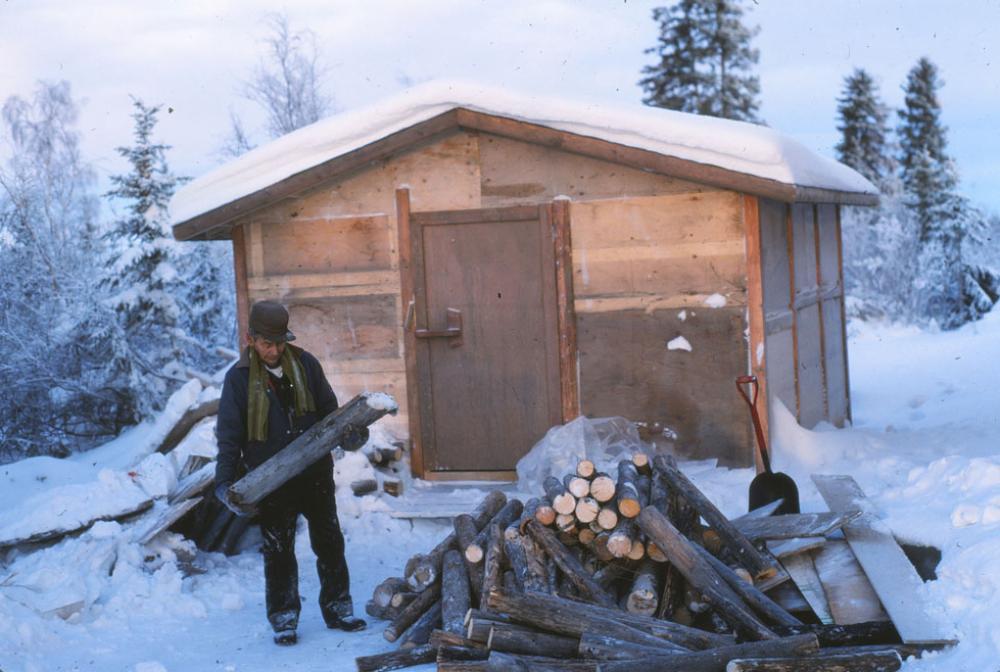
point(503, 263)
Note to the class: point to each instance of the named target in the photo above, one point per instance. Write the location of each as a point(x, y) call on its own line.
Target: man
point(272, 395)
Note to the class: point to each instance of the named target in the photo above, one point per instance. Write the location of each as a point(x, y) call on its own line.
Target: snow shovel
point(767, 486)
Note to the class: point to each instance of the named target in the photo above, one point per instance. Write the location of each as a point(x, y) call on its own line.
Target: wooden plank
point(789, 547)
point(513, 213)
point(848, 591)
point(357, 159)
point(347, 243)
point(408, 301)
point(652, 161)
point(341, 283)
point(891, 574)
point(777, 291)
point(20, 535)
point(835, 347)
point(559, 214)
point(792, 525)
point(346, 327)
point(755, 313)
point(167, 517)
point(514, 171)
point(194, 484)
point(627, 369)
point(309, 447)
point(192, 416)
point(843, 313)
point(803, 572)
point(445, 123)
point(808, 321)
point(240, 277)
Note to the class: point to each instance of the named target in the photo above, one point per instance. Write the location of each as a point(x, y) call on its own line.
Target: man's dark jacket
point(231, 428)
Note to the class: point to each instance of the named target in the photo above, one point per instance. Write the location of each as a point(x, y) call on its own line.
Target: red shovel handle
point(752, 403)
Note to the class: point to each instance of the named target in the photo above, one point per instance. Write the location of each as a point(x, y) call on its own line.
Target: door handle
point(453, 330)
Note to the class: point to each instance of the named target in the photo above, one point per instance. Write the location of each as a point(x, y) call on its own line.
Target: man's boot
point(285, 637)
point(346, 623)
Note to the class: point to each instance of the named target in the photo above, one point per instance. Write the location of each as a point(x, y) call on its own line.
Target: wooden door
point(484, 325)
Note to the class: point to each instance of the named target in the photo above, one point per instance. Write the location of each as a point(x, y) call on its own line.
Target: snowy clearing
point(925, 448)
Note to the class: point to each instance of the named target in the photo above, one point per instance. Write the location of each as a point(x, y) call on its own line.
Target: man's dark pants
point(312, 495)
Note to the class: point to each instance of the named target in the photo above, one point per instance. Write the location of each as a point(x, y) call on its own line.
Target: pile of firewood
point(611, 572)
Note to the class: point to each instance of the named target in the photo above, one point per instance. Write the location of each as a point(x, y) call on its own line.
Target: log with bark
point(853, 634)
point(568, 617)
point(364, 487)
point(392, 487)
point(643, 596)
point(875, 661)
point(569, 565)
point(455, 595)
point(715, 660)
point(627, 491)
point(700, 575)
point(493, 560)
point(585, 469)
point(757, 600)
point(311, 446)
point(559, 497)
point(419, 633)
point(516, 639)
point(425, 600)
point(394, 660)
point(511, 511)
point(465, 534)
point(734, 541)
point(423, 570)
point(601, 646)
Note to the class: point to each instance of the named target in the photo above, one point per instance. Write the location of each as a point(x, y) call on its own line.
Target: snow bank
point(733, 145)
point(925, 448)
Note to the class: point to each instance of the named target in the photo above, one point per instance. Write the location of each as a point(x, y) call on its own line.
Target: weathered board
point(800, 567)
point(848, 591)
point(891, 574)
point(515, 172)
point(788, 547)
point(792, 525)
point(808, 321)
point(779, 318)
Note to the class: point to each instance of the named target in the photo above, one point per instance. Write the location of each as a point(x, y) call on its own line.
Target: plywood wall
point(803, 298)
point(648, 253)
point(654, 271)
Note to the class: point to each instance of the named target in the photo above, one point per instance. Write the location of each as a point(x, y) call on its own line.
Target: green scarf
point(258, 403)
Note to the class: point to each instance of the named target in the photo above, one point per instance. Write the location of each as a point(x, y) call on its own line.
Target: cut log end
point(602, 488)
point(585, 468)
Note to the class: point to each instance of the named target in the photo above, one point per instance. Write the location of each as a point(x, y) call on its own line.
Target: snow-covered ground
point(925, 447)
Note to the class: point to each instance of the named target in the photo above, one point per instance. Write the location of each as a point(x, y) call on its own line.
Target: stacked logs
point(606, 572)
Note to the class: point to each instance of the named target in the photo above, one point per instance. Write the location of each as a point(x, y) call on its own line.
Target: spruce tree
point(944, 219)
point(705, 62)
point(928, 173)
point(864, 131)
point(142, 276)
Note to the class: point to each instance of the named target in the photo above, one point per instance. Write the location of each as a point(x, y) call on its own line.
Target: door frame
point(555, 217)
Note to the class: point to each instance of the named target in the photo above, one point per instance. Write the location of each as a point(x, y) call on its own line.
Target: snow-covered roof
point(733, 146)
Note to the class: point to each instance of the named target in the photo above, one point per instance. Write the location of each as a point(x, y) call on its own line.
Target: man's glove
point(222, 494)
point(354, 437)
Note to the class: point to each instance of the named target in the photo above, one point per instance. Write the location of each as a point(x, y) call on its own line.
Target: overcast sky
point(191, 55)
